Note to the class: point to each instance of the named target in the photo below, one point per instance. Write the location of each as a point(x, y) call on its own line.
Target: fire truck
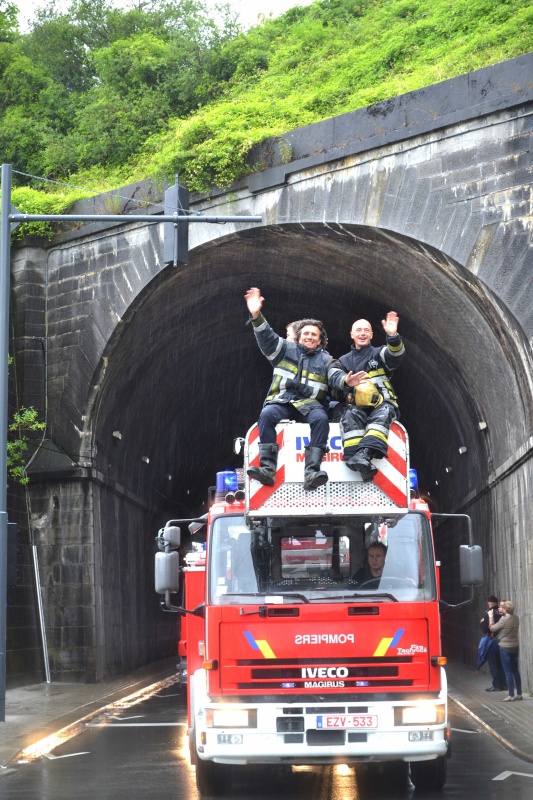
point(292, 653)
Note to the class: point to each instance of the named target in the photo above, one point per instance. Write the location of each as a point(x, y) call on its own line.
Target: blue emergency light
point(413, 479)
point(227, 481)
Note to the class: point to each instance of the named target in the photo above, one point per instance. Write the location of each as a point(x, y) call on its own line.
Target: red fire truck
point(290, 657)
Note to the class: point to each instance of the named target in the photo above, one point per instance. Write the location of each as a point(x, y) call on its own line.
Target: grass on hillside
point(320, 61)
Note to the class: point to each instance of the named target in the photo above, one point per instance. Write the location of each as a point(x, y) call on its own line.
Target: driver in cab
point(374, 564)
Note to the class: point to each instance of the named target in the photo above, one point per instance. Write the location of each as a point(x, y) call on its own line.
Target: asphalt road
point(140, 752)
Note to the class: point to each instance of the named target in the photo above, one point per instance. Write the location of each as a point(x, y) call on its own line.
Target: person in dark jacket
point(490, 617)
point(372, 569)
point(373, 407)
point(303, 374)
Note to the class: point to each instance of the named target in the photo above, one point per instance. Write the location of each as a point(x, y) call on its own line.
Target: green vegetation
point(101, 97)
point(23, 420)
point(26, 419)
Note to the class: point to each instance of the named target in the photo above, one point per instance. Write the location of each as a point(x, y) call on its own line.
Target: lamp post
point(10, 218)
point(5, 232)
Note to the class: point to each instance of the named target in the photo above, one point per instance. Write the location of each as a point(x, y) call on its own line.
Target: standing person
point(302, 374)
point(490, 617)
point(507, 634)
point(365, 423)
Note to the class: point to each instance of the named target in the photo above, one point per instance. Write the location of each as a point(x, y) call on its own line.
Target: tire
point(430, 775)
point(212, 780)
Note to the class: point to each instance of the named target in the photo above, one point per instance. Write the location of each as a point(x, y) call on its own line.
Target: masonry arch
point(422, 204)
point(185, 378)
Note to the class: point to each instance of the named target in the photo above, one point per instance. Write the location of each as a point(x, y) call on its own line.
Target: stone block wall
point(432, 210)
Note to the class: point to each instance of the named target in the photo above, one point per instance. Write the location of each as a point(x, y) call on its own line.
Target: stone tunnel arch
point(184, 377)
point(422, 202)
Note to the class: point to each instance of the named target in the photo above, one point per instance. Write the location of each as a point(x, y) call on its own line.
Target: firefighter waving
point(373, 406)
point(303, 374)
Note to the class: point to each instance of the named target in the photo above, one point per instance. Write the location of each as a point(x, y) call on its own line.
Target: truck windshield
point(295, 560)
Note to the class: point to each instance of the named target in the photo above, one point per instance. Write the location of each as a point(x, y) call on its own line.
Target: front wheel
point(212, 780)
point(430, 775)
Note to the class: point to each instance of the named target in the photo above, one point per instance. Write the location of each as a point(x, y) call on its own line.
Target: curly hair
point(318, 324)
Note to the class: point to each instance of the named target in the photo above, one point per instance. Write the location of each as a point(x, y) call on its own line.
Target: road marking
point(137, 716)
point(462, 730)
point(64, 734)
point(7, 771)
point(69, 755)
point(503, 775)
point(135, 724)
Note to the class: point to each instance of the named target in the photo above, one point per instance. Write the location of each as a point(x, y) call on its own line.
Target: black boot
point(268, 460)
point(313, 475)
point(361, 462)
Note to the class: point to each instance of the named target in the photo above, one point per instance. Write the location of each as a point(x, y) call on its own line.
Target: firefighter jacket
point(379, 363)
point(302, 377)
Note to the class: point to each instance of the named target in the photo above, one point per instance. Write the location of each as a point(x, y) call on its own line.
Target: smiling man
point(303, 373)
point(373, 407)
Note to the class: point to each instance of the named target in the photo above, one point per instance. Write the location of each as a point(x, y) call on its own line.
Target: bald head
point(361, 333)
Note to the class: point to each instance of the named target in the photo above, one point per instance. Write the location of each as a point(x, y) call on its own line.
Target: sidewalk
point(35, 712)
point(510, 723)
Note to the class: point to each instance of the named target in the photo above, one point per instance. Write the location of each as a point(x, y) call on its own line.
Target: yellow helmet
point(367, 395)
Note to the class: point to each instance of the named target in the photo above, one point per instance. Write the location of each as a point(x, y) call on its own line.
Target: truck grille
point(315, 674)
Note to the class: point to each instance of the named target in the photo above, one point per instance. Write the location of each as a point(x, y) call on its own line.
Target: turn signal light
point(438, 661)
point(213, 664)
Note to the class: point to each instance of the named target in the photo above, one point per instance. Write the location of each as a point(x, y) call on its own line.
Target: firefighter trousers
point(273, 413)
point(366, 427)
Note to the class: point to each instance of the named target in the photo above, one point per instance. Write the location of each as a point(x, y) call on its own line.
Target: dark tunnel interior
point(184, 376)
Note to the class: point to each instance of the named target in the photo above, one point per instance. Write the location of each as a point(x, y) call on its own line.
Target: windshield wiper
point(371, 595)
point(301, 597)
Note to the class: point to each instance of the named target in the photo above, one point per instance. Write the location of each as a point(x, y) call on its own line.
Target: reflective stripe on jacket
point(302, 377)
point(378, 363)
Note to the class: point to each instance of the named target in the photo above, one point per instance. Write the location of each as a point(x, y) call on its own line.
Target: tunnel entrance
point(184, 376)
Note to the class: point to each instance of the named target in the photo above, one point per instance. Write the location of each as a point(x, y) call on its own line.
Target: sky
point(249, 11)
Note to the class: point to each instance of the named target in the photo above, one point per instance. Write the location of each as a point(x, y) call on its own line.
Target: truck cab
point(302, 656)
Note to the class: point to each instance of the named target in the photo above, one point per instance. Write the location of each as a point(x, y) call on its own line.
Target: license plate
point(366, 721)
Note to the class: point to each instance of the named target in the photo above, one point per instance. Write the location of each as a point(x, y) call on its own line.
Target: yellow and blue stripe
point(386, 643)
point(260, 644)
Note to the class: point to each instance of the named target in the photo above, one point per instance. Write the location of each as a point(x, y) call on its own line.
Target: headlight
point(419, 715)
point(231, 717)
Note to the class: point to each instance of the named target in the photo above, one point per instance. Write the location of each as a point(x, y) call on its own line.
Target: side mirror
point(170, 536)
point(471, 565)
point(167, 572)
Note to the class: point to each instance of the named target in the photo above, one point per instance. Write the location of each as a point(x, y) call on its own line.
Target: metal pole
point(7, 218)
point(40, 609)
point(5, 237)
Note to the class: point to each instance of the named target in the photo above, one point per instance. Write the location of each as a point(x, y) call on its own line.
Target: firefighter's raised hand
point(355, 378)
point(390, 325)
point(254, 301)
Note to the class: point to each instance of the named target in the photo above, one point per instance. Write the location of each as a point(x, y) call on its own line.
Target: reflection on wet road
point(139, 751)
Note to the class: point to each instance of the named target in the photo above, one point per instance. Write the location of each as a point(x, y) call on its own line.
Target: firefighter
point(303, 372)
point(373, 407)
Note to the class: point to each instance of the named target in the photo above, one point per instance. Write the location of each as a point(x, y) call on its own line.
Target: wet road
point(140, 752)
